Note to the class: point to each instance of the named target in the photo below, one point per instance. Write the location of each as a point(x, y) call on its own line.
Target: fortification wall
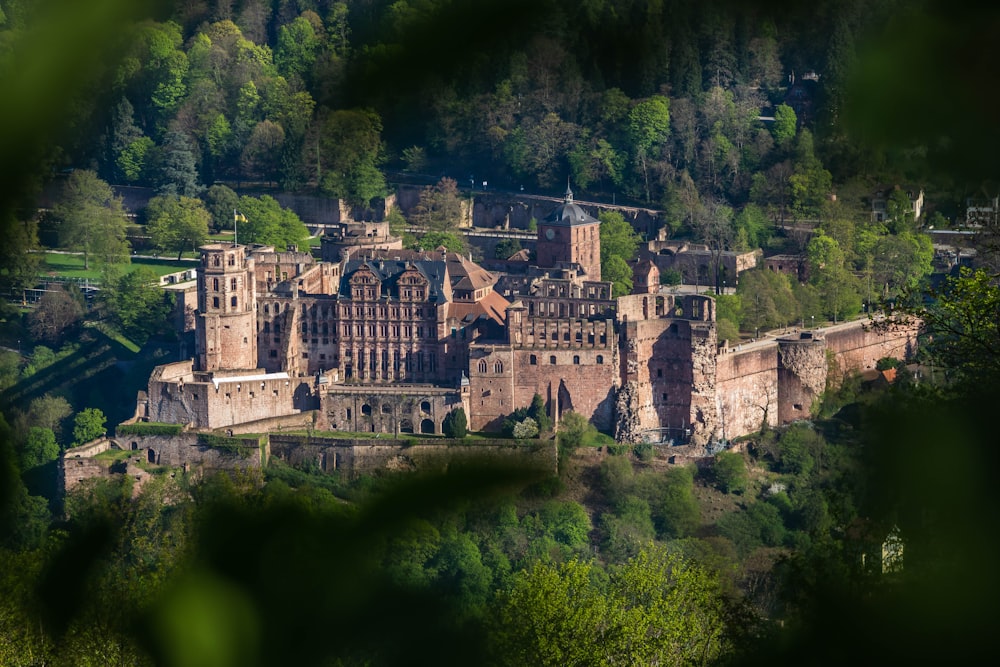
point(353, 457)
point(859, 346)
point(747, 389)
point(240, 401)
point(387, 409)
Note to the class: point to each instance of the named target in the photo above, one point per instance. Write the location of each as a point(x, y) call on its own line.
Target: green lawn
point(71, 266)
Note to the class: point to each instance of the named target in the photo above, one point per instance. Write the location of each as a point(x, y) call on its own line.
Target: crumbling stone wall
point(747, 388)
point(802, 370)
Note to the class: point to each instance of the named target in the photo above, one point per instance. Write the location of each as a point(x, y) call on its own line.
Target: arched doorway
point(151, 456)
point(405, 426)
point(427, 426)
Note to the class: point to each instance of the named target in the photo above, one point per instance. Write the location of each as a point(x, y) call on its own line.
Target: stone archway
point(427, 426)
point(405, 426)
point(151, 456)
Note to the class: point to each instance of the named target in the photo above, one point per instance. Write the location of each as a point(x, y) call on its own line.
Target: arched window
point(576, 360)
point(600, 359)
point(482, 365)
point(267, 309)
point(425, 406)
point(366, 409)
point(552, 360)
point(386, 409)
point(498, 367)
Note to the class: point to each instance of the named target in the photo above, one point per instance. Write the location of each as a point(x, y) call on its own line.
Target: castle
point(381, 339)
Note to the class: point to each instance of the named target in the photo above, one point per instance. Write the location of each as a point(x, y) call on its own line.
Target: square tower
point(569, 235)
point(226, 321)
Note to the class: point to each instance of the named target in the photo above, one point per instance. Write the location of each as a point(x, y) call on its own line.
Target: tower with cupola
point(569, 235)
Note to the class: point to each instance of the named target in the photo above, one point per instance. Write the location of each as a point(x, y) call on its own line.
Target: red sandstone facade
point(390, 340)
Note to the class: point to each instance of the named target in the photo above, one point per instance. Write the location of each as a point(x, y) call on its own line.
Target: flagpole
point(235, 220)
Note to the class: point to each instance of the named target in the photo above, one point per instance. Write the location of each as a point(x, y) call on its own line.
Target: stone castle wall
point(747, 389)
point(858, 346)
point(353, 457)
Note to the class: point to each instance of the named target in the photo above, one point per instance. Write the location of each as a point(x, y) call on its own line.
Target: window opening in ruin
point(215, 261)
point(427, 426)
point(233, 302)
point(533, 360)
point(659, 372)
point(232, 260)
point(425, 406)
point(552, 360)
point(498, 367)
point(482, 366)
point(386, 409)
point(151, 456)
point(600, 359)
point(215, 284)
point(366, 409)
point(576, 360)
point(215, 302)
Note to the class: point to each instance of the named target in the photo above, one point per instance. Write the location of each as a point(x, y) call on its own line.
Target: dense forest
point(862, 532)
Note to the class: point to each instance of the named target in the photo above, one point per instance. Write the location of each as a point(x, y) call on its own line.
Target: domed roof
point(569, 214)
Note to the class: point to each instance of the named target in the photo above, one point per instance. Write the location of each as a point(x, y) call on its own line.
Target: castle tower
point(570, 235)
point(225, 325)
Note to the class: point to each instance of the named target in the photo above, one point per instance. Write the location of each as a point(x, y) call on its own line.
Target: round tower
point(225, 325)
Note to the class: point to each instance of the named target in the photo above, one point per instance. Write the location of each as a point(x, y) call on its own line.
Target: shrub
point(525, 429)
point(730, 472)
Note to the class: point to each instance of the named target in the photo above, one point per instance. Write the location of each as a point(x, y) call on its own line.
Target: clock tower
point(569, 235)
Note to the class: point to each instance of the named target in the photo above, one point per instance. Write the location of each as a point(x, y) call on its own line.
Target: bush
point(575, 431)
point(525, 429)
point(644, 451)
point(730, 472)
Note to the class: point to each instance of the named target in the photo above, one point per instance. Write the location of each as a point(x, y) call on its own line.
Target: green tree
point(439, 208)
point(453, 242)
point(261, 157)
point(297, 49)
point(39, 448)
point(627, 530)
point(270, 224)
point(619, 273)
point(752, 228)
point(455, 424)
point(506, 248)
point(730, 472)
point(176, 223)
point(648, 128)
point(575, 430)
point(679, 508)
point(92, 219)
point(784, 126)
point(768, 300)
point(137, 305)
point(538, 412)
point(222, 203)
point(961, 326)
point(88, 425)
point(346, 147)
point(177, 167)
point(19, 263)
